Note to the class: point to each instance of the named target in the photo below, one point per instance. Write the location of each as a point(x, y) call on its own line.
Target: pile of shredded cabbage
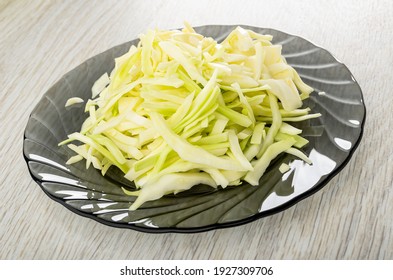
point(181, 109)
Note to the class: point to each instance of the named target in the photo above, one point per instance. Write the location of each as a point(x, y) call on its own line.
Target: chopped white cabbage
point(181, 109)
point(73, 100)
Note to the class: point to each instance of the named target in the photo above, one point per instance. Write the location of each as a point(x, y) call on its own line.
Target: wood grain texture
point(351, 218)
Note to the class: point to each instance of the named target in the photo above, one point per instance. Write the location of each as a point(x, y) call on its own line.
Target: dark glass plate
point(333, 139)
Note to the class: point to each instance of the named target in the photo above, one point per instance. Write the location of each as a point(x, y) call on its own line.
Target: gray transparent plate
point(333, 139)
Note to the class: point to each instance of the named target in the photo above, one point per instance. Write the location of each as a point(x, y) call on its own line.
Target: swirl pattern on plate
point(333, 139)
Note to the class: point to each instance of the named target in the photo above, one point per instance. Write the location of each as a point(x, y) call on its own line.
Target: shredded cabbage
point(73, 100)
point(181, 109)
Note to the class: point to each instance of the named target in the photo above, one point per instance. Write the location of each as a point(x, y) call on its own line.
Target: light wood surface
point(351, 218)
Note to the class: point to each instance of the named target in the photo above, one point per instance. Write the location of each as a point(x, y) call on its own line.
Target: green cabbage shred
point(180, 109)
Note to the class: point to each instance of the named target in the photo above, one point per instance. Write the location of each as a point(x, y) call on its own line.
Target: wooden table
point(351, 218)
